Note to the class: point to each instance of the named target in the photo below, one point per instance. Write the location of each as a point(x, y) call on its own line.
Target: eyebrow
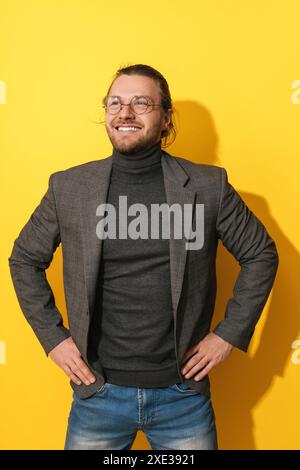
point(139, 96)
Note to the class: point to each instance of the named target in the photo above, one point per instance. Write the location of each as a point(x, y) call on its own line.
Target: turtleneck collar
point(145, 158)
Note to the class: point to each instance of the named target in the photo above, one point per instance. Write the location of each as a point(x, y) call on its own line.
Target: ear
point(167, 118)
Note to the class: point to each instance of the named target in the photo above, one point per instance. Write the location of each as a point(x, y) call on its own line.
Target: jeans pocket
point(182, 387)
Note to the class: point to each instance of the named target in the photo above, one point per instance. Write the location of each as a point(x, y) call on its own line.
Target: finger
point(205, 371)
point(192, 362)
point(189, 353)
point(85, 370)
point(70, 374)
point(198, 366)
point(78, 372)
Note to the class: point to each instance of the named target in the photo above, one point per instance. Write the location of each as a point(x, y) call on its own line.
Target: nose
point(126, 111)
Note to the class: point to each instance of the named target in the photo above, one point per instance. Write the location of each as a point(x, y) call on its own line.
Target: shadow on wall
point(241, 381)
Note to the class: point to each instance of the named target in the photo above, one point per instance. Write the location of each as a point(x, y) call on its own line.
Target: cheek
point(152, 126)
point(108, 124)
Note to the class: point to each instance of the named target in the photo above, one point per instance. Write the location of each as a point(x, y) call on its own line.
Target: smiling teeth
point(126, 129)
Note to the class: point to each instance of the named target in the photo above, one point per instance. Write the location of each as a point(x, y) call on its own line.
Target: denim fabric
point(172, 417)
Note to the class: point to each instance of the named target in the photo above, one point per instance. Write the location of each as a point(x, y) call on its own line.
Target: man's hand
point(67, 356)
point(206, 354)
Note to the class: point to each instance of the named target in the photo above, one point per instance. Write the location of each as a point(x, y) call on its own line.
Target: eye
point(141, 101)
point(112, 101)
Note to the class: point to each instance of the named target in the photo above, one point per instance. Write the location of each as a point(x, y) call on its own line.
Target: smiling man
point(139, 347)
point(129, 131)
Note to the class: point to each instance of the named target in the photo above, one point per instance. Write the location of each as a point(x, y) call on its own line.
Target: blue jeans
point(172, 417)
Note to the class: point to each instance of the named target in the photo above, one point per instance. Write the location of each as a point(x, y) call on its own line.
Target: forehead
point(127, 86)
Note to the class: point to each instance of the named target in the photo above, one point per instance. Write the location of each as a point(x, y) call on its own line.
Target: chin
point(130, 148)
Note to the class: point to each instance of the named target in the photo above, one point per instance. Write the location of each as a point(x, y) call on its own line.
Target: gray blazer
point(67, 215)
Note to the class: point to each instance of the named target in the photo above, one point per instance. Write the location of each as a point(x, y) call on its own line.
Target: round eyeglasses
point(138, 104)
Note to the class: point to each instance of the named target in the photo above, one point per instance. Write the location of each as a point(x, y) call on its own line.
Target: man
point(139, 347)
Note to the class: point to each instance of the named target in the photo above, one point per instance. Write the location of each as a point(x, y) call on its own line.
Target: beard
point(137, 145)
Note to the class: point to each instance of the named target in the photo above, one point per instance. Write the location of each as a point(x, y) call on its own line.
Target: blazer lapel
point(175, 179)
point(96, 194)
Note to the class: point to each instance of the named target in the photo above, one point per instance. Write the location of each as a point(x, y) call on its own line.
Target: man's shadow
point(243, 379)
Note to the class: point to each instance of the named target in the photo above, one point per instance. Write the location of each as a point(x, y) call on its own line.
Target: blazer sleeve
point(31, 255)
point(246, 238)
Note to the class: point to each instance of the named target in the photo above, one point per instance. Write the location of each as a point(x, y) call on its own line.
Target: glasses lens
point(113, 104)
point(140, 104)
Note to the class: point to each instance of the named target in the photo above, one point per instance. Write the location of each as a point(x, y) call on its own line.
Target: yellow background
point(230, 66)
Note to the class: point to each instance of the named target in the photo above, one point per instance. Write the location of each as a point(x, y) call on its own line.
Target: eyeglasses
point(138, 104)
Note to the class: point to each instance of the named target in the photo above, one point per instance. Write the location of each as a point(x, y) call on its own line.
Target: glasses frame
point(149, 100)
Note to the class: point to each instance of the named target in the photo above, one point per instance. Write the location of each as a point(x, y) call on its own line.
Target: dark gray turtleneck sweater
point(133, 333)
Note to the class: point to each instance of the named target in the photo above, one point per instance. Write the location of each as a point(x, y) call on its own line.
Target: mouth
point(127, 129)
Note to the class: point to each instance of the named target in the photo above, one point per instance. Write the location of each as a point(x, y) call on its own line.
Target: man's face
point(150, 124)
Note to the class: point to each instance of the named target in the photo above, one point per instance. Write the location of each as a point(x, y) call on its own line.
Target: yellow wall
point(231, 67)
